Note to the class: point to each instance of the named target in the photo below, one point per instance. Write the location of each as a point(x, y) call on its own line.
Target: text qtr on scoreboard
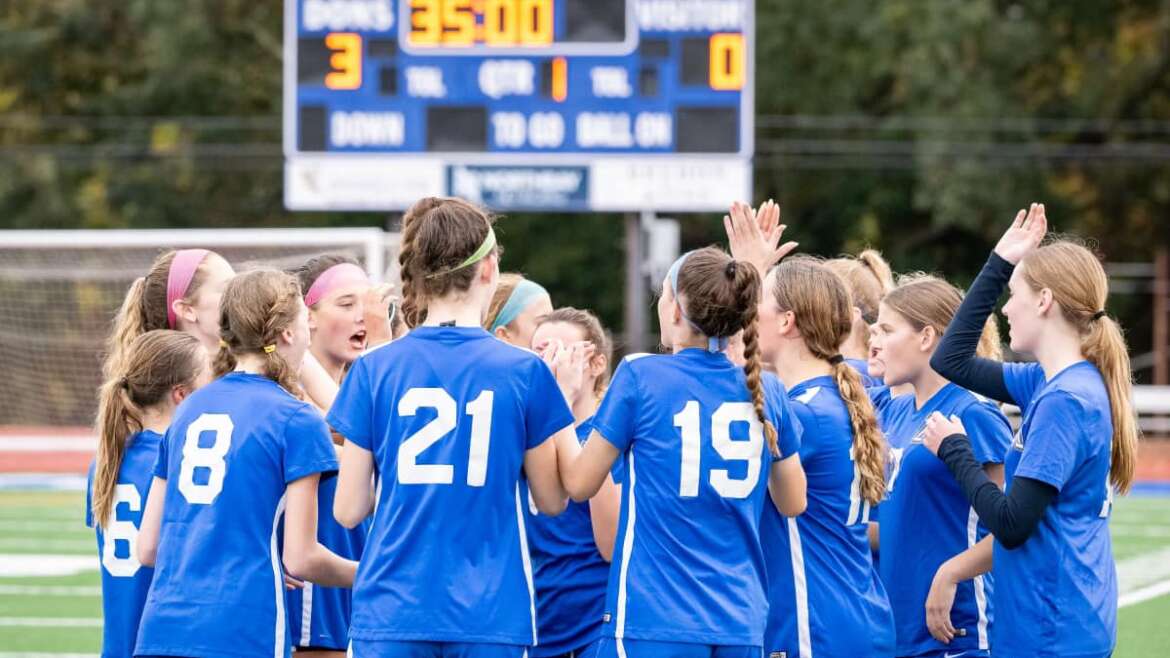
point(518, 104)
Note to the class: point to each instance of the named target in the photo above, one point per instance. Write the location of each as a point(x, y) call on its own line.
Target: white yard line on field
point(30, 654)
point(1143, 570)
point(51, 622)
point(1144, 594)
point(49, 590)
point(23, 566)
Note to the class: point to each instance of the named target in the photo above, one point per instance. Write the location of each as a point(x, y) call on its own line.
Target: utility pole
point(636, 299)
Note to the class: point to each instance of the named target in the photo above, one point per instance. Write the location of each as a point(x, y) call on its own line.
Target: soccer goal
point(60, 290)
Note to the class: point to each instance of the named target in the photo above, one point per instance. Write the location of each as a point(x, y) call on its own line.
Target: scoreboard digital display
point(518, 104)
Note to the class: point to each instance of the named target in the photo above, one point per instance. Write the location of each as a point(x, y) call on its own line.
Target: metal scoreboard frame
point(572, 177)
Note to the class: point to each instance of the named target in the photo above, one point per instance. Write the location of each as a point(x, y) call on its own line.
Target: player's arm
point(148, 530)
point(604, 508)
point(304, 557)
point(788, 486)
point(974, 561)
point(318, 385)
point(585, 469)
point(355, 491)
point(544, 476)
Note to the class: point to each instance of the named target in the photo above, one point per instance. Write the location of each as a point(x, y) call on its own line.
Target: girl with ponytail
point(703, 443)
point(1077, 443)
point(240, 452)
point(134, 409)
point(448, 417)
point(934, 553)
point(819, 562)
point(181, 292)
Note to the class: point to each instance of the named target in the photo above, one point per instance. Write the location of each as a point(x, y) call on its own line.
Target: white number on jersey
point(749, 451)
point(122, 531)
point(210, 458)
point(480, 410)
point(895, 467)
point(1107, 506)
point(858, 508)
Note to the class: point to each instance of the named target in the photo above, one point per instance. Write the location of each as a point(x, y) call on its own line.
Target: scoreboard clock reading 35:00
point(518, 104)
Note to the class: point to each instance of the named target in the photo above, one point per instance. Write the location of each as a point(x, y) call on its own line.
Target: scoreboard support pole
point(636, 298)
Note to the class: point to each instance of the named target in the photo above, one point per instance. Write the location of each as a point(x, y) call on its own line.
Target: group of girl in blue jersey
point(294, 461)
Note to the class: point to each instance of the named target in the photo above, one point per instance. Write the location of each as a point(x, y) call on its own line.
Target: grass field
point(51, 616)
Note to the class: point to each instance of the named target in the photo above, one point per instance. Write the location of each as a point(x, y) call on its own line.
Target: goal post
point(60, 290)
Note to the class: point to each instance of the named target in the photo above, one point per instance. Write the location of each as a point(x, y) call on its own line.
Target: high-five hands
point(755, 236)
point(1024, 235)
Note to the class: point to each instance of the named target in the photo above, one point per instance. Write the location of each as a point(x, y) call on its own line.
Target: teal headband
point(521, 298)
point(489, 243)
point(714, 343)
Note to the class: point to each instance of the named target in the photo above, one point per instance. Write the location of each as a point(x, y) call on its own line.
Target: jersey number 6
point(480, 410)
point(749, 451)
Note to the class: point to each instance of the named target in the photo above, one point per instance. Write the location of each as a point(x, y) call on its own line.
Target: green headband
point(489, 243)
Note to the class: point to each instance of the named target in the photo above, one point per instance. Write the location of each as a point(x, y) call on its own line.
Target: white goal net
point(60, 290)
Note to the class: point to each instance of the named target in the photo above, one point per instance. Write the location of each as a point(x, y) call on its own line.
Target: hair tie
point(124, 382)
point(269, 349)
point(1098, 315)
point(223, 344)
point(731, 270)
point(184, 264)
point(485, 248)
point(836, 359)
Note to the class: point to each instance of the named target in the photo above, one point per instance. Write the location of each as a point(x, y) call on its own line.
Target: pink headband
point(183, 267)
point(338, 276)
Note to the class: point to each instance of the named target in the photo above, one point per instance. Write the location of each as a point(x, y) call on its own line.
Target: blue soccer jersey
point(318, 616)
point(926, 519)
point(448, 413)
point(687, 564)
point(826, 599)
point(1061, 584)
point(125, 581)
point(231, 450)
point(569, 574)
point(862, 368)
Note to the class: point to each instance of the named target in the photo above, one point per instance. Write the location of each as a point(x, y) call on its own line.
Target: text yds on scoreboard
point(518, 104)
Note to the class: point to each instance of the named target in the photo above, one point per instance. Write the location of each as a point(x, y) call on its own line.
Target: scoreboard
point(569, 105)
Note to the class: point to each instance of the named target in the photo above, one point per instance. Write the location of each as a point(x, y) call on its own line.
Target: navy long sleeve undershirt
point(1011, 517)
point(955, 357)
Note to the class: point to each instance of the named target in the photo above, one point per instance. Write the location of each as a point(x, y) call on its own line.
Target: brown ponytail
point(155, 363)
point(257, 306)
point(722, 298)
point(823, 311)
point(1080, 286)
point(145, 308)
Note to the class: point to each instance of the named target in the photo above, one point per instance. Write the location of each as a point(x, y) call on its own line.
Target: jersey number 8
point(749, 451)
point(210, 459)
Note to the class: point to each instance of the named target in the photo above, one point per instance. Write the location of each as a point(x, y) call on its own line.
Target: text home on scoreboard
point(518, 104)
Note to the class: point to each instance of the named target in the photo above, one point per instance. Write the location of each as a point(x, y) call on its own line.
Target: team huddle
point(816, 465)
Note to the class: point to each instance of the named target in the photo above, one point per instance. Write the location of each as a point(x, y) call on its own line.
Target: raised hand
point(1024, 235)
point(375, 312)
point(754, 237)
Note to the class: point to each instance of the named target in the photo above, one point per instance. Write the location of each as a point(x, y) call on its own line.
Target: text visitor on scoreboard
point(472, 78)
